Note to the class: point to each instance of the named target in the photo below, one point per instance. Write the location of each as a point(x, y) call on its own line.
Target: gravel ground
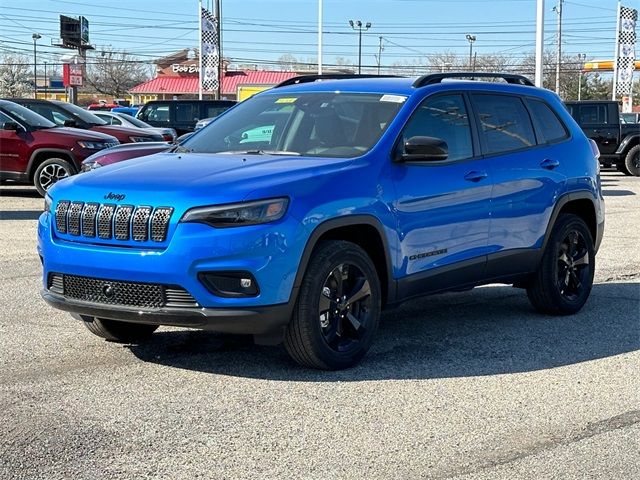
point(469, 386)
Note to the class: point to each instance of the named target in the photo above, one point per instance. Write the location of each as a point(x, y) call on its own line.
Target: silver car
point(118, 118)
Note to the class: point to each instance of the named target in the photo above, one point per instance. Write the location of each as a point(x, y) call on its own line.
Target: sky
point(260, 31)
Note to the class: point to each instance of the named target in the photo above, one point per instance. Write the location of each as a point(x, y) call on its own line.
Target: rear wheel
point(49, 172)
point(632, 161)
point(564, 278)
point(338, 308)
point(122, 332)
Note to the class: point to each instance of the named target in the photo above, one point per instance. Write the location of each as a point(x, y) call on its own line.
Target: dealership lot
point(466, 385)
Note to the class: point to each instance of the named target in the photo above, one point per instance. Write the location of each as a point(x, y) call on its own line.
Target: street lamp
point(471, 39)
point(35, 36)
point(357, 25)
point(581, 58)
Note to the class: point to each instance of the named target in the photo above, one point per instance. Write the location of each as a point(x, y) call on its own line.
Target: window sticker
point(393, 98)
point(286, 100)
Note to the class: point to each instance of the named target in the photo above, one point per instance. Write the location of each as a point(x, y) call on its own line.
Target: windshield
point(27, 116)
point(319, 124)
point(79, 113)
point(133, 121)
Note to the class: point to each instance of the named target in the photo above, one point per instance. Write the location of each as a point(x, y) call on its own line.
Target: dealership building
point(177, 77)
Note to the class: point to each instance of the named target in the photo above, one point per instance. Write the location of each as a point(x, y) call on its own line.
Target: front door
point(442, 207)
point(12, 147)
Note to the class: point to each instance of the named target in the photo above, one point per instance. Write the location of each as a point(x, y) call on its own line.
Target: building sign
point(192, 68)
point(72, 75)
point(74, 32)
point(625, 51)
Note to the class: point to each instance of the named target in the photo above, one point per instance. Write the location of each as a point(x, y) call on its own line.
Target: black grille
point(89, 215)
point(107, 221)
point(73, 218)
point(122, 222)
point(115, 292)
point(61, 215)
point(140, 228)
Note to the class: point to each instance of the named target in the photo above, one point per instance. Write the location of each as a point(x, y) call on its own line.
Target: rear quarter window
point(548, 126)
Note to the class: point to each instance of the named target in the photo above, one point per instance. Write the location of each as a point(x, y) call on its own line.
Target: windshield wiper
point(260, 152)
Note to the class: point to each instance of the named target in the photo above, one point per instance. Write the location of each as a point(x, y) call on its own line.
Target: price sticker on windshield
point(393, 98)
point(286, 100)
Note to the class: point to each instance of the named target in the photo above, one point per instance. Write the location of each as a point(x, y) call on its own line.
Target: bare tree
point(113, 73)
point(15, 76)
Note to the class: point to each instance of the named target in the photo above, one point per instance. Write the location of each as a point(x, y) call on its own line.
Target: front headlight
point(239, 214)
point(94, 145)
point(47, 203)
point(87, 166)
point(140, 139)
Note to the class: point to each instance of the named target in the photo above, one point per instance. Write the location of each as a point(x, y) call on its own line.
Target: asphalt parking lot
point(467, 386)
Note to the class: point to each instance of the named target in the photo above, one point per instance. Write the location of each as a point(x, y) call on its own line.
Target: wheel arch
point(41, 154)
point(627, 144)
point(576, 203)
point(367, 232)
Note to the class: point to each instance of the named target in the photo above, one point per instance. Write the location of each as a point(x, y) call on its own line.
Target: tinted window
point(212, 111)
point(591, 114)
point(27, 116)
point(155, 113)
point(442, 117)
point(548, 125)
point(80, 113)
point(4, 118)
point(187, 112)
point(504, 122)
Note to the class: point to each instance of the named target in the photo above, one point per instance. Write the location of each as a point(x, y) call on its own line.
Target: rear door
point(599, 121)
point(527, 174)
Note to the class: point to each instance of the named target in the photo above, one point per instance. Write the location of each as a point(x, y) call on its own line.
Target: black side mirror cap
point(70, 123)
point(13, 126)
point(424, 149)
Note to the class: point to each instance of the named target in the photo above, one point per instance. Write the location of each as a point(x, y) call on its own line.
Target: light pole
point(581, 58)
point(379, 56)
point(36, 37)
point(357, 25)
point(558, 10)
point(471, 39)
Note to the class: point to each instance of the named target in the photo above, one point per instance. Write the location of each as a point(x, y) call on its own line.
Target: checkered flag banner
point(210, 51)
point(625, 54)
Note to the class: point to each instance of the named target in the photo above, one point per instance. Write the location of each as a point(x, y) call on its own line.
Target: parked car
point(116, 118)
point(120, 153)
point(69, 115)
point(181, 115)
point(132, 110)
point(35, 150)
point(203, 123)
point(619, 142)
point(368, 192)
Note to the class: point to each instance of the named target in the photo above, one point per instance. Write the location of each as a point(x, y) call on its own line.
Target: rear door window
point(156, 113)
point(212, 111)
point(591, 114)
point(187, 112)
point(548, 126)
point(504, 123)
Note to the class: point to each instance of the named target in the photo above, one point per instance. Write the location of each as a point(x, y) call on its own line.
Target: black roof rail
point(328, 76)
point(438, 77)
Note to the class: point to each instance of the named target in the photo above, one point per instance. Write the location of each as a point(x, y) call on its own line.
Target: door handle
point(475, 176)
point(549, 164)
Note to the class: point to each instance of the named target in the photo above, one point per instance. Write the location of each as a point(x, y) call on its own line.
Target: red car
point(35, 150)
point(124, 152)
point(69, 115)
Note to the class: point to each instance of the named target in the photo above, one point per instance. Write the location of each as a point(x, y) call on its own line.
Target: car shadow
point(26, 192)
point(617, 193)
point(20, 214)
point(492, 330)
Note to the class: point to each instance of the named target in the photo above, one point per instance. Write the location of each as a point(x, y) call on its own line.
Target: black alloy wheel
point(573, 265)
point(344, 309)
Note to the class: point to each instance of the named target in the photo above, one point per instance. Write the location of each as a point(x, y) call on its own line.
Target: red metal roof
point(180, 85)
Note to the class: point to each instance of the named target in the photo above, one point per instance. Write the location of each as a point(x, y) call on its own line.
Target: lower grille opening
point(117, 292)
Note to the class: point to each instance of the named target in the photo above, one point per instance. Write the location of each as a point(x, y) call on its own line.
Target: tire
point(563, 282)
point(121, 332)
point(49, 172)
point(327, 334)
point(622, 168)
point(632, 161)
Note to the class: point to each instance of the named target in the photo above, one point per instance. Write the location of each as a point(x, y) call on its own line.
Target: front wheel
point(563, 282)
point(49, 172)
point(338, 308)
point(632, 161)
point(122, 332)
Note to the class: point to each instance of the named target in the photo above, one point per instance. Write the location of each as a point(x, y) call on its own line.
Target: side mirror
point(421, 149)
point(70, 123)
point(13, 126)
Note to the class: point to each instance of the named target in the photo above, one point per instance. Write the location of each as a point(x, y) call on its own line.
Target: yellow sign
point(247, 91)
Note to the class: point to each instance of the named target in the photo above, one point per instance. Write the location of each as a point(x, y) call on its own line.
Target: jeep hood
point(200, 178)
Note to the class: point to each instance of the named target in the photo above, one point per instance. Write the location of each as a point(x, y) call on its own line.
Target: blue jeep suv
point(300, 214)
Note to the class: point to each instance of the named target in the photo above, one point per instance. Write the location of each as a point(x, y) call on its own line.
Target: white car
point(117, 118)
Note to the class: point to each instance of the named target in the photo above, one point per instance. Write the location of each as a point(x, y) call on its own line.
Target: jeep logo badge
point(114, 196)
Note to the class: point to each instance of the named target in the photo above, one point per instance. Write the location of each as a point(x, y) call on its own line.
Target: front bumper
point(254, 320)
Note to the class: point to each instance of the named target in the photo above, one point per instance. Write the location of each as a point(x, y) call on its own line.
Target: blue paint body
point(422, 208)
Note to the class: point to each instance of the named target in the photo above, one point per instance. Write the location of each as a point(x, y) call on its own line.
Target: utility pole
point(379, 56)
point(539, 43)
point(319, 37)
point(46, 82)
point(471, 39)
point(220, 57)
point(35, 37)
point(357, 25)
point(558, 10)
point(581, 58)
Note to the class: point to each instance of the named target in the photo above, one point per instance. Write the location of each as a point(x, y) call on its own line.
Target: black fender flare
point(627, 143)
point(345, 221)
point(562, 201)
